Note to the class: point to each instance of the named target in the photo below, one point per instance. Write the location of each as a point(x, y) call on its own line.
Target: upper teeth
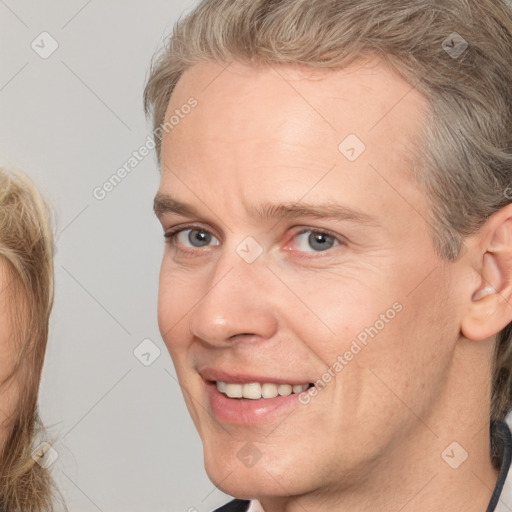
point(255, 390)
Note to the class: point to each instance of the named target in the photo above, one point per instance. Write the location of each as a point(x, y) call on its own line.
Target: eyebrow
point(165, 203)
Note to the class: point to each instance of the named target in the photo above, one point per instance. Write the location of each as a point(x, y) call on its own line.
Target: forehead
point(296, 107)
point(260, 131)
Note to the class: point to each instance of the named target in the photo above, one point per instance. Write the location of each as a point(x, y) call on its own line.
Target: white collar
point(255, 506)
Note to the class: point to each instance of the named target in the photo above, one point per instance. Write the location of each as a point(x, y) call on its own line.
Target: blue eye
point(197, 237)
point(319, 240)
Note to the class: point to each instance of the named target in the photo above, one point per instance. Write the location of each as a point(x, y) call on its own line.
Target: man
point(335, 289)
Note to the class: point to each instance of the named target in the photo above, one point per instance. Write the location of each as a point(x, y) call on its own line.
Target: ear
point(490, 307)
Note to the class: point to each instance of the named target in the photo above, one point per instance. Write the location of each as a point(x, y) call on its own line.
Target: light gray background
point(124, 437)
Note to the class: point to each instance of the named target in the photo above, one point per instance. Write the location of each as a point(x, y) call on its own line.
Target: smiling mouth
point(256, 390)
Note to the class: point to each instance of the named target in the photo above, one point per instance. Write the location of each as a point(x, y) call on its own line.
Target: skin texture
point(9, 390)
point(373, 437)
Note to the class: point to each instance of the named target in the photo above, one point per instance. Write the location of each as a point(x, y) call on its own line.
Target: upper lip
point(214, 374)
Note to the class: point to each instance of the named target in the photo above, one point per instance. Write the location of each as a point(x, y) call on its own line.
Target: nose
point(237, 303)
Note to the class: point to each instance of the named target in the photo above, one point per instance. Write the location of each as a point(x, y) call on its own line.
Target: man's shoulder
point(234, 506)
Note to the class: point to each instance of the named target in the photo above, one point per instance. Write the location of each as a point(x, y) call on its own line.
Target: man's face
point(270, 299)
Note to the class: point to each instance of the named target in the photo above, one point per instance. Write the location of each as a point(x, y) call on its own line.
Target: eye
point(318, 239)
point(197, 236)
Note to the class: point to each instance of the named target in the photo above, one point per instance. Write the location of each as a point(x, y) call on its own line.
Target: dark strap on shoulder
point(234, 506)
point(501, 448)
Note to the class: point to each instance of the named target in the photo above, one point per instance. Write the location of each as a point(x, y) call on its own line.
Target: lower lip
point(246, 411)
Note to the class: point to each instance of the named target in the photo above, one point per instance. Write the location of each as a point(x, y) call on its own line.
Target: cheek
point(172, 301)
point(413, 352)
point(390, 323)
point(336, 310)
point(10, 396)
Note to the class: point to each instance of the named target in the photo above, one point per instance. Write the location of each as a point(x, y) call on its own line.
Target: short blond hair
point(464, 160)
point(26, 252)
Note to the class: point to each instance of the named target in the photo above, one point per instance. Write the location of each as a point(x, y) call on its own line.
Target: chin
point(232, 477)
point(250, 487)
